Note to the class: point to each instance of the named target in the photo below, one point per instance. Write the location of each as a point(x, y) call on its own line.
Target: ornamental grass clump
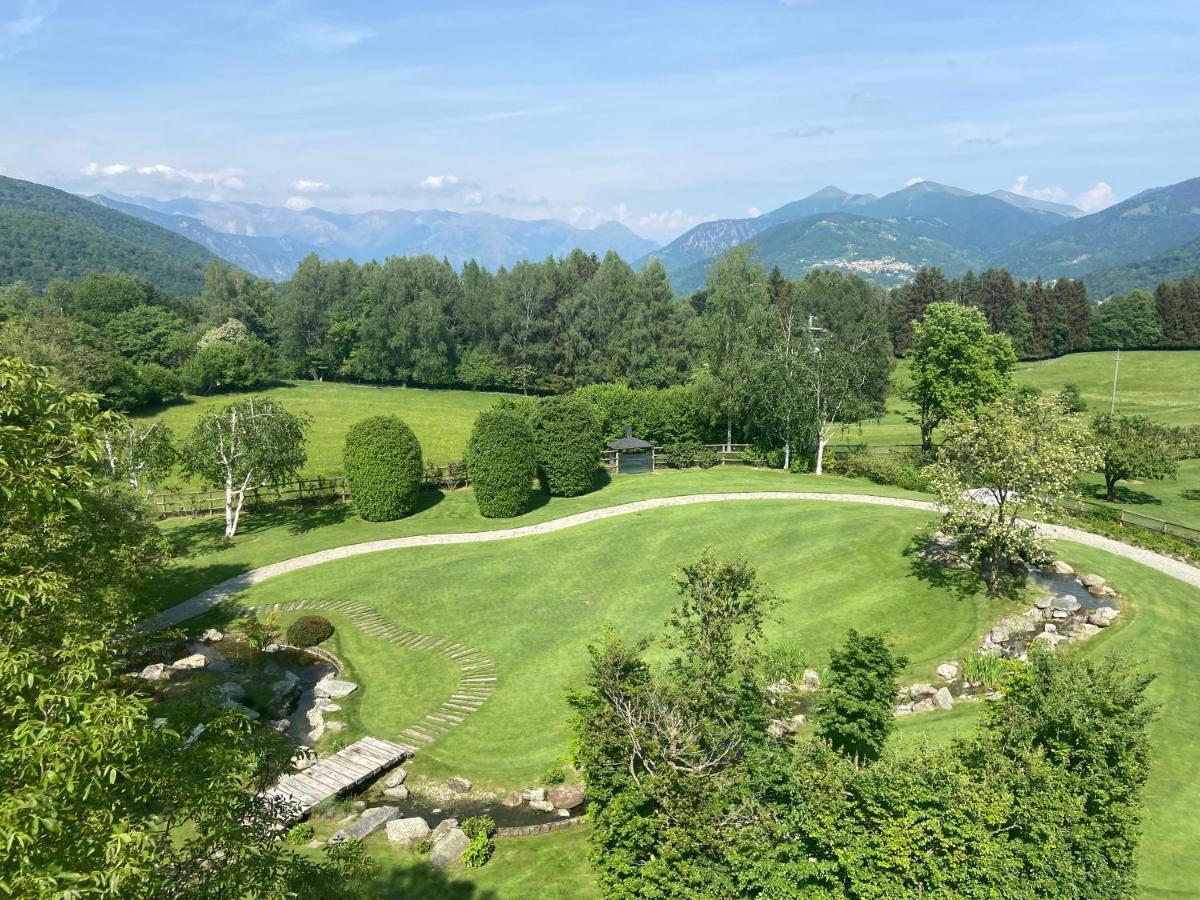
point(383, 465)
point(500, 456)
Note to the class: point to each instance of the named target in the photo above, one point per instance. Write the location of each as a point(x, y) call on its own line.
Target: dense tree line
point(1050, 319)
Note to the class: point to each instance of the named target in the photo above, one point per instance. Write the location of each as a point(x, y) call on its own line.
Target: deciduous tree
point(1133, 447)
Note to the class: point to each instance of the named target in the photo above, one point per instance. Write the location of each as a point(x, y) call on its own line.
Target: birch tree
point(834, 375)
point(246, 445)
point(141, 455)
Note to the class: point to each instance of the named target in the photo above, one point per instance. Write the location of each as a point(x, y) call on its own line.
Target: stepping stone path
point(478, 672)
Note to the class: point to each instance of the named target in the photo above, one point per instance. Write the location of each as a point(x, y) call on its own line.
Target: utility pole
point(1112, 406)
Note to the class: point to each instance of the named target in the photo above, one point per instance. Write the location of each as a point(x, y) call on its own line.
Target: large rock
point(1065, 603)
point(948, 671)
point(923, 706)
point(368, 823)
point(1058, 567)
point(999, 634)
point(459, 785)
point(195, 661)
point(1047, 639)
point(512, 800)
point(1103, 616)
point(942, 699)
point(211, 636)
point(566, 796)
point(155, 672)
point(1043, 602)
point(541, 805)
point(921, 690)
point(443, 828)
point(334, 689)
point(449, 848)
point(396, 793)
point(811, 680)
point(538, 793)
point(407, 831)
point(1085, 630)
point(395, 779)
point(1092, 581)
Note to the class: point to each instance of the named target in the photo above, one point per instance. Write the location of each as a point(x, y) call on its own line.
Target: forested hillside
point(47, 233)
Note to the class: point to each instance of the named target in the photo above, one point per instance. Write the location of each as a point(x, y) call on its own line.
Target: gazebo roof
point(629, 442)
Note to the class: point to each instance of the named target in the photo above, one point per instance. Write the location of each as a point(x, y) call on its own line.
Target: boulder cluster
point(557, 801)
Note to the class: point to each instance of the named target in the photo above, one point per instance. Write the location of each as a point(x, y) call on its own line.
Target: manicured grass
point(1171, 499)
point(534, 604)
point(441, 419)
point(549, 867)
point(205, 557)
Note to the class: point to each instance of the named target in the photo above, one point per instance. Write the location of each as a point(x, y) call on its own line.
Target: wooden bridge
point(337, 774)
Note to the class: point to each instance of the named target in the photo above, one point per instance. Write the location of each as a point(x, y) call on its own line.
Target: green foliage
point(1127, 321)
point(990, 671)
point(106, 791)
point(228, 366)
point(567, 443)
point(500, 456)
point(998, 467)
point(783, 662)
point(139, 455)
point(301, 833)
point(1134, 447)
point(244, 446)
point(479, 826)
point(308, 631)
point(555, 774)
point(957, 365)
point(858, 697)
point(884, 470)
point(423, 847)
point(47, 234)
point(686, 454)
point(382, 459)
point(1070, 399)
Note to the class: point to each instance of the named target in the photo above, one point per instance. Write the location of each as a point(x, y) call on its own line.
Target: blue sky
point(656, 114)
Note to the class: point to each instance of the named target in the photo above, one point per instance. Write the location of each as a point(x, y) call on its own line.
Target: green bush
point(383, 465)
point(554, 774)
point(500, 456)
point(885, 470)
point(481, 831)
point(308, 631)
point(567, 443)
point(686, 454)
point(300, 834)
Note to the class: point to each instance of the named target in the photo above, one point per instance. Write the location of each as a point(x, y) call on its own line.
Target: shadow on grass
point(1191, 494)
point(1129, 495)
point(419, 879)
point(962, 584)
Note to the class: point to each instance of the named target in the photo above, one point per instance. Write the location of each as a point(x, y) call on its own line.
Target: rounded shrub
point(383, 465)
point(308, 631)
point(566, 439)
point(500, 458)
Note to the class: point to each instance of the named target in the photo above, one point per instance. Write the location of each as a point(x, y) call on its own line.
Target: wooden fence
point(1127, 518)
point(210, 502)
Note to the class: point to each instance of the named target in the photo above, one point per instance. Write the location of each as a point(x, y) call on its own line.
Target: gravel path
point(218, 594)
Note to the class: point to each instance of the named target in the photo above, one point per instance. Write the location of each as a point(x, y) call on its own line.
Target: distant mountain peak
point(1022, 202)
point(933, 187)
point(830, 191)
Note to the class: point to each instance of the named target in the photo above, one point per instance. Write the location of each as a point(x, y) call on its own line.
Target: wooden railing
point(211, 502)
point(1136, 520)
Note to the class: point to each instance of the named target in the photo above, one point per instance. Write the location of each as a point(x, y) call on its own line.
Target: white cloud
point(1097, 197)
point(94, 170)
point(31, 14)
point(916, 179)
point(321, 34)
point(298, 204)
point(221, 178)
point(310, 187)
point(754, 212)
point(438, 182)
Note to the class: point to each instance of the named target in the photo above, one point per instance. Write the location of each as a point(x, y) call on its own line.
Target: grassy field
point(441, 419)
point(205, 557)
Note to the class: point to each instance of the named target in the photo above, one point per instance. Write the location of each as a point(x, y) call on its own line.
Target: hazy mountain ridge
point(246, 231)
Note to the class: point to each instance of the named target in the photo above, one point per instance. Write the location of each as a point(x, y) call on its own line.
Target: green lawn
point(205, 557)
point(441, 419)
point(1171, 499)
point(534, 604)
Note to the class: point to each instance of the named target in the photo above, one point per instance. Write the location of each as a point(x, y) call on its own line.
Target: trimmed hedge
point(308, 631)
point(884, 470)
point(500, 457)
point(383, 465)
point(567, 441)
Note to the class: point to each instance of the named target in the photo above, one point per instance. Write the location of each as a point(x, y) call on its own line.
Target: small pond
point(1053, 583)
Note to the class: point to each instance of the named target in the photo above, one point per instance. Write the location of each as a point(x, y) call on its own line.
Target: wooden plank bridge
point(337, 774)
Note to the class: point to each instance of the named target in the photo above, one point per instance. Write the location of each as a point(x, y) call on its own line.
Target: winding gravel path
point(222, 592)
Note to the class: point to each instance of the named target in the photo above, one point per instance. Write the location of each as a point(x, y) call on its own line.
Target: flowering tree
point(1001, 463)
point(244, 446)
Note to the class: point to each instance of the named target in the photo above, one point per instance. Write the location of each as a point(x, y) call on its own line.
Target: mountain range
point(270, 241)
point(886, 239)
point(1151, 237)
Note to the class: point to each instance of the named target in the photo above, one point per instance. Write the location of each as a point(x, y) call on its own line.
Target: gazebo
point(634, 455)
